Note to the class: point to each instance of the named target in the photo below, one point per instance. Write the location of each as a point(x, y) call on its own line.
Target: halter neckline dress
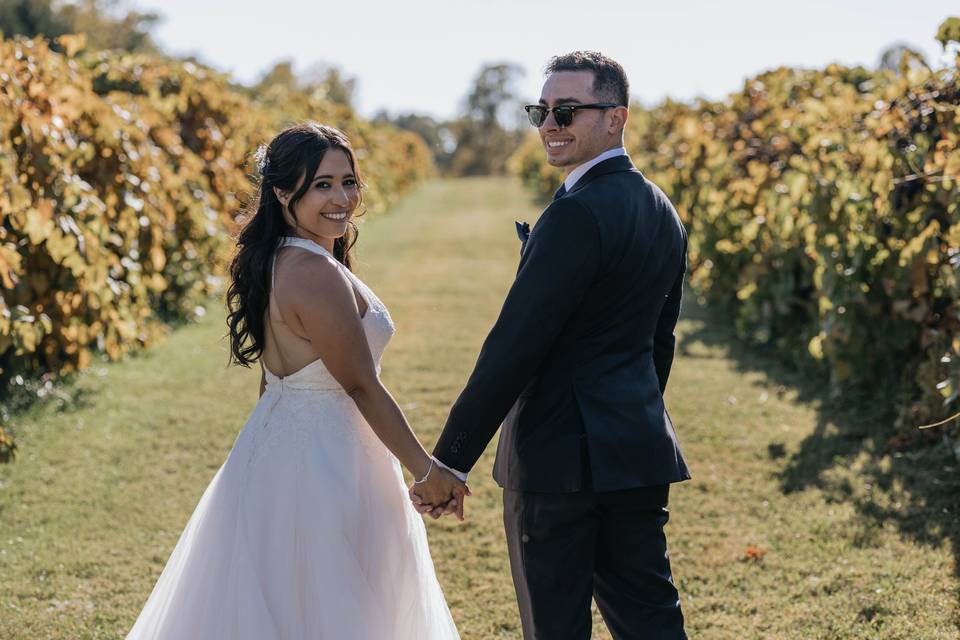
point(306, 530)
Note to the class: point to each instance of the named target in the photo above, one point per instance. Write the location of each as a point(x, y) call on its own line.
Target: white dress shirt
point(459, 474)
point(580, 170)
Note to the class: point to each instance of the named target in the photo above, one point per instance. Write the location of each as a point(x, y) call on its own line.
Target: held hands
point(440, 492)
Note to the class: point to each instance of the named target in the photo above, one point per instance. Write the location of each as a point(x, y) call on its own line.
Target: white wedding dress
point(306, 531)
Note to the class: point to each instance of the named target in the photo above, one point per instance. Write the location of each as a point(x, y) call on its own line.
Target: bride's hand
point(441, 492)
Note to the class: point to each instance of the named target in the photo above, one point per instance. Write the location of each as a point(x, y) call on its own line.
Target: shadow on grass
point(920, 472)
point(46, 395)
point(65, 394)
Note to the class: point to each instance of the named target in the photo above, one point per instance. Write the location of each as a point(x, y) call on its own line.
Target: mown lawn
point(798, 523)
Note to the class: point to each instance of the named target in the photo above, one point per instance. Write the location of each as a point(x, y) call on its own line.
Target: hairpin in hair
point(263, 162)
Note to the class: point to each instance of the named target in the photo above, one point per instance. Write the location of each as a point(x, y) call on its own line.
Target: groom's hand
point(454, 505)
point(442, 492)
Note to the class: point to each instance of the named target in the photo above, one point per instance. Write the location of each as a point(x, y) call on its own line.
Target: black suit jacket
point(578, 360)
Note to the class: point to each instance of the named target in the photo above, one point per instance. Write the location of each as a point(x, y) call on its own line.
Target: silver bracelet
point(426, 475)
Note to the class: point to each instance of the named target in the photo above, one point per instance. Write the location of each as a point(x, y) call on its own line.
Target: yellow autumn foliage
point(120, 177)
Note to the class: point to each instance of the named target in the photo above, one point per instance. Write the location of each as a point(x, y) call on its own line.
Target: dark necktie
point(560, 192)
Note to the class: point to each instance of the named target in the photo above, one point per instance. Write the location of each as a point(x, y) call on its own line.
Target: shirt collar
point(580, 170)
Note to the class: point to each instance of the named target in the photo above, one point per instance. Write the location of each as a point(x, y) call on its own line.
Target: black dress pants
point(566, 548)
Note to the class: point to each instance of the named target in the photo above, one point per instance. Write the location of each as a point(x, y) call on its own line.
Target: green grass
point(856, 542)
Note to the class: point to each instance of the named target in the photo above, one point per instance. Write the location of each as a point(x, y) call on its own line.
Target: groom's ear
point(618, 119)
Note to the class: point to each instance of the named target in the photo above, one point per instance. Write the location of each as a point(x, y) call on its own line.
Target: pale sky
point(422, 55)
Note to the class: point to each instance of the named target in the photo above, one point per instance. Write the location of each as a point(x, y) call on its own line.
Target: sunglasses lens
point(564, 116)
point(536, 115)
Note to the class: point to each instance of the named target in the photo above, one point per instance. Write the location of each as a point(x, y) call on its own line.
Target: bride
point(306, 530)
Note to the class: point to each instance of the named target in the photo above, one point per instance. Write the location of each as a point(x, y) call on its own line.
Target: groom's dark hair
point(609, 79)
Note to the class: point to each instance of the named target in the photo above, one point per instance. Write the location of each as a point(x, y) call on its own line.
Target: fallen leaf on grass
point(753, 553)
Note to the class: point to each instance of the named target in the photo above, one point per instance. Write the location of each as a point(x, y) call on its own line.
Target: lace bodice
point(377, 325)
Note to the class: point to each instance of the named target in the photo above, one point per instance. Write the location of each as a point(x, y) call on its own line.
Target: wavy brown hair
point(294, 153)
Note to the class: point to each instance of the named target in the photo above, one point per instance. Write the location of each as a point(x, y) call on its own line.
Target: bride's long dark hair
point(296, 152)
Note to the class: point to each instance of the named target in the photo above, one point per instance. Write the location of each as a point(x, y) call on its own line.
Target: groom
point(575, 368)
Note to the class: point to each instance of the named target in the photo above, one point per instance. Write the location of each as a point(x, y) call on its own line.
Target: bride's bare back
point(287, 347)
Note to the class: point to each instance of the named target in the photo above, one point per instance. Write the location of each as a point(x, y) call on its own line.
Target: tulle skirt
point(306, 531)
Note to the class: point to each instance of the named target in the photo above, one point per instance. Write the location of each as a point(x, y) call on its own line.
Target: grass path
point(797, 524)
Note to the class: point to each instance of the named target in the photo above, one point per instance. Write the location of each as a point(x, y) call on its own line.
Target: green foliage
point(949, 31)
point(436, 134)
point(482, 149)
point(32, 17)
point(483, 137)
point(336, 86)
point(108, 25)
point(320, 80)
point(822, 209)
point(120, 175)
point(104, 22)
point(486, 133)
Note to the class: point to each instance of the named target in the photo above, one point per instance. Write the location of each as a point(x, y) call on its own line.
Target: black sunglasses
point(537, 113)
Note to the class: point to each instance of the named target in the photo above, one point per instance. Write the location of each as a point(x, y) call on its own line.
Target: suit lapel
point(616, 164)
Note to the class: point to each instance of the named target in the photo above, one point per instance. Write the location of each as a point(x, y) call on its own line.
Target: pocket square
point(523, 231)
